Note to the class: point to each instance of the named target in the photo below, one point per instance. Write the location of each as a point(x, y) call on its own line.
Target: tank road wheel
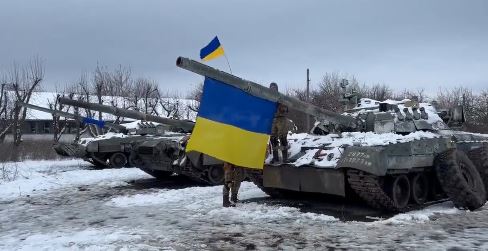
point(135, 160)
point(118, 160)
point(399, 191)
point(479, 157)
point(460, 180)
point(420, 188)
point(215, 175)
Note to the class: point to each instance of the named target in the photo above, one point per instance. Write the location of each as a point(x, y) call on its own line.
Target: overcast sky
point(405, 44)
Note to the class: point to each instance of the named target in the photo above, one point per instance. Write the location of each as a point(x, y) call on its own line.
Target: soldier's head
point(273, 86)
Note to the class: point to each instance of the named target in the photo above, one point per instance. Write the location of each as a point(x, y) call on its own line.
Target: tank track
point(195, 174)
point(368, 188)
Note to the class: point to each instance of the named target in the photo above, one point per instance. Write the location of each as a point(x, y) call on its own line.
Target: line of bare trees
point(118, 87)
point(115, 87)
point(328, 92)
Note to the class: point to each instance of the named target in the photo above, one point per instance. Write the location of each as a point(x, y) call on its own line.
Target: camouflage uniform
point(279, 131)
point(233, 176)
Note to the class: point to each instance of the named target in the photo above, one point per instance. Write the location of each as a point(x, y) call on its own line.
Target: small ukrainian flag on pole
point(213, 50)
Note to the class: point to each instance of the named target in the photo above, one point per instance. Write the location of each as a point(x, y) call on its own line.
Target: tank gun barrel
point(264, 92)
point(186, 126)
point(71, 116)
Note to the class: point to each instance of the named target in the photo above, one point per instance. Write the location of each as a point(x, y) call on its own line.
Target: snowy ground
point(67, 205)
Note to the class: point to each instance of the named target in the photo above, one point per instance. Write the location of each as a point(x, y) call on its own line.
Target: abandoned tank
point(156, 147)
point(392, 155)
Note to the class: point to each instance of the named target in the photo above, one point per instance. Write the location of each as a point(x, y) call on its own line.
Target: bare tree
point(480, 112)
point(6, 111)
point(145, 95)
point(196, 95)
point(101, 80)
point(59, 125)
point(173, 106)
point(377, 92)
point(25, 80)
point(119, 86)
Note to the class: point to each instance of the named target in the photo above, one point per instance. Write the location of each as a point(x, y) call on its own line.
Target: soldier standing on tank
point(233, 176)
point(279, 130)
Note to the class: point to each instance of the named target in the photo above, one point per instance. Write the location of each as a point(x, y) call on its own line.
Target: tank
point(159, 153)
point(119, 150)
point(392, 155)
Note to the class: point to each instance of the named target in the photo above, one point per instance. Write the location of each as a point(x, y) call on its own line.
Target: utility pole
point(308, 99)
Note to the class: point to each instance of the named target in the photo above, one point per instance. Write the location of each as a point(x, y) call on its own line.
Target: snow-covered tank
point(391, 154)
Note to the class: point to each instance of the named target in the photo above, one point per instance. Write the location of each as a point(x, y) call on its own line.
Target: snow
point(423, 215)
point(334, 144)
point(368, 105)
point(198, 200)
point(111, 214)
point(135, 124)
point(176, 136)
point(38, 177)
point(91, 239)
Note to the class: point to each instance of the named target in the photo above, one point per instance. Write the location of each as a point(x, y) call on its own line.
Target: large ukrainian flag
point(213, 50)
point(232, 125)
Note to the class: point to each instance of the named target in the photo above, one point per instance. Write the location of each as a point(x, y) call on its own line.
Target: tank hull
point(368, 171)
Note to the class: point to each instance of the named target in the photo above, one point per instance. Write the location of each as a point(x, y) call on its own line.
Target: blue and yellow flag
point(232, 125)
point(213, 50)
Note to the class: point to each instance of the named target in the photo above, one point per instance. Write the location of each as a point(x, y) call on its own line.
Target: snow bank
point(38, 177)
point(421, 216)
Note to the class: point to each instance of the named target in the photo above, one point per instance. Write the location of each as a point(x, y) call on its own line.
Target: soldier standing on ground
point(233, 176)
point(279, 130)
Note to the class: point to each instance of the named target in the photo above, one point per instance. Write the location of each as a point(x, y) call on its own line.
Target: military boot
point(225, 201)
point(284, 153)
point(225, 197)
point(276, 158)
point(233, 198)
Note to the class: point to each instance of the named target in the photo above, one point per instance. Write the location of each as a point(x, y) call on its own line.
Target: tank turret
point(180, 125)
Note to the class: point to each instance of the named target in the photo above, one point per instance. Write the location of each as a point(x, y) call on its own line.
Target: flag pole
point(230, 69)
